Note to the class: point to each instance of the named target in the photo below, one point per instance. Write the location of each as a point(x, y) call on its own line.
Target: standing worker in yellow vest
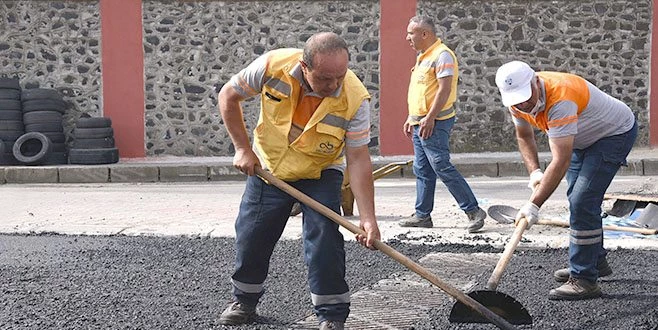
point(590, 134)
point(313, 111)
point(432, 93)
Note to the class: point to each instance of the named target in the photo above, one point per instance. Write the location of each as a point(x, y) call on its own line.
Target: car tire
point(93, 156)
point(93, 122)
point(32, 148)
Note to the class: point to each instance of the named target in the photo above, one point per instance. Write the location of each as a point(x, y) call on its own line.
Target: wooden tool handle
point(644, 231)
point(492, 284)
point(558, 223)
point(389, 251)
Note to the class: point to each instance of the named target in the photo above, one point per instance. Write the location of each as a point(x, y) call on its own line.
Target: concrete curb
point(643, 162)
point(226, 172)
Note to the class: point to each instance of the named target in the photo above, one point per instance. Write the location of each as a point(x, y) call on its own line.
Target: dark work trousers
point(263, 214)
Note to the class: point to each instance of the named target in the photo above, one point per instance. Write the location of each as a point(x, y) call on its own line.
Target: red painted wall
point(123, 73)
point(653, 84)
point(395, 62)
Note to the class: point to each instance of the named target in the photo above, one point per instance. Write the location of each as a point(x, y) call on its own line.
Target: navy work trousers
point(264, 212)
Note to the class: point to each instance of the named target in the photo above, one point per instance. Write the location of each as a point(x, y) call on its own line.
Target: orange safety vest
point(423, 85)
point(559, 86)
point(322, 141)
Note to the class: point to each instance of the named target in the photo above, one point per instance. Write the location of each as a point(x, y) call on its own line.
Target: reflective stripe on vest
point(278, 85)
point(335, 121)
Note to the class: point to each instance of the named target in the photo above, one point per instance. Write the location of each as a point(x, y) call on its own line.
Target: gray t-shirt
point(445, 65)
point(603, 116)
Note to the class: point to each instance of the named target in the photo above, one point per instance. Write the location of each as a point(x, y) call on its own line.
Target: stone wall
point(54, 45)
point(606, 42)
point(192, 48)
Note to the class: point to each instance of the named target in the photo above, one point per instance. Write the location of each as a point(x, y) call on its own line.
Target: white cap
point(513, 80)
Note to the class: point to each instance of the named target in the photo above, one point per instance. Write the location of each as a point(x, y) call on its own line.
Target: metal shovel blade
point(502, 213)
point(649, 217)
point(622, 208)
point(503, 305)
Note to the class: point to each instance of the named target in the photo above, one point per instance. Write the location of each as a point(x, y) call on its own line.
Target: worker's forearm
point(231, 112)
point(561, 150)
point(528, 150)
point(236, 130)
point(361, 183)
point(550, 181)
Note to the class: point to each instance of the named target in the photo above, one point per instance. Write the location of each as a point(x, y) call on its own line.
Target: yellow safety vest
point(424, 85)
point(559, 86)
point(322, 142)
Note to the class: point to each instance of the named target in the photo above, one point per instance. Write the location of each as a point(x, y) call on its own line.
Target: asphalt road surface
point(159, 256)
point(121, 282)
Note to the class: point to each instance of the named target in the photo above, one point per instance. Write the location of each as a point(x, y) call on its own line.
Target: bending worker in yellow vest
point(313, 111)
point(590, 134)
point(432, 93)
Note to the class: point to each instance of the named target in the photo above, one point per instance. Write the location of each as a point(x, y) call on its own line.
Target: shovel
point(649, 217)
point(484, 313)
point(506, 214)
point(499, 302)
point(621, 208)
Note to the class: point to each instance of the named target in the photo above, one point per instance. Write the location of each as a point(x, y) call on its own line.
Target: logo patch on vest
point(325, 148)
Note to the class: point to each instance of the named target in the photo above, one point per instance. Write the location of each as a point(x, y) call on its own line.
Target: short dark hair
point(425, 22)
point(323, 42)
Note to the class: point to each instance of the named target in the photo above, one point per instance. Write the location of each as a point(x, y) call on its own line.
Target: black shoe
point(237, 314)
point(414, 221)
point(575, 289)
point(332, 325)
point(562, 275)
point(476, 220)
point(296, 209)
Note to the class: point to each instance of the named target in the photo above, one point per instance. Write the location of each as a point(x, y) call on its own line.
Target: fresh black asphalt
point(52, 281)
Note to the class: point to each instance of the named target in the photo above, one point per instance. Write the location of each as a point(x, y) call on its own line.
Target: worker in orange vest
point(590, 134)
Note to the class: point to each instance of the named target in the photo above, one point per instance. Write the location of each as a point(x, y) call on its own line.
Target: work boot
point(237, 313)
point(415, 221)
point(332, 325)
point(562, 275)
point(476, 220)
point(296, 209)
point(575, 289)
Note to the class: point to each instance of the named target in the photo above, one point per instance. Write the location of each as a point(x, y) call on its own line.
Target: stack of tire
point(11, 119)
point(93, 142)
point(44, 141)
